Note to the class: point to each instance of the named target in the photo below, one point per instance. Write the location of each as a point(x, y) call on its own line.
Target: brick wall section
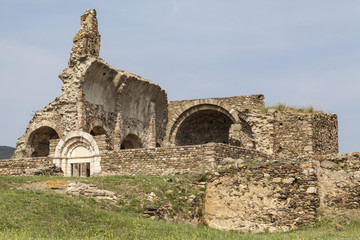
point(14, 167)
point(262, 198)
point(171, 160)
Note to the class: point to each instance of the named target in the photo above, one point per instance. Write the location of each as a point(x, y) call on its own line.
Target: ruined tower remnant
point(109, 121)
point(87, 40)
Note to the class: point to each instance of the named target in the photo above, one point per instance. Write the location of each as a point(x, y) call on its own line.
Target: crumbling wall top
point(87, 40)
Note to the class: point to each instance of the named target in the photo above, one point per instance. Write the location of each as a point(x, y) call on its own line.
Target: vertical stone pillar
point(81, 122)
point(117, 132)
point(152, 126)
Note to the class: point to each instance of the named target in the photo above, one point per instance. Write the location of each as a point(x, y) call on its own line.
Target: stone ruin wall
point(218, 109)
point(325, 134)
point(19, 167)
point(112, 104)
point(339, 180)
point(262, 198)
point(280, 196)
point(72, 110)
point(172, 160)
point(62, 114)
point(283, 134)
point(97, 99)
point(298, 134)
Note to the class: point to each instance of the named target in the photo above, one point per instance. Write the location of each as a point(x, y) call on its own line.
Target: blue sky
point(296, 52)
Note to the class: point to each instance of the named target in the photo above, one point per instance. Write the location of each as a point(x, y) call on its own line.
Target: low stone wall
point(13, 167)
point(339, 180)
point(245, 154)
point(262, 198)
point(147, 161)
point(172, 160)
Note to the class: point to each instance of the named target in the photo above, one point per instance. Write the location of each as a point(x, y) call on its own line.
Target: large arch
point(201, 124)
point(204, 126)
point(39, 141)
point(131, 141)
point(78, 150)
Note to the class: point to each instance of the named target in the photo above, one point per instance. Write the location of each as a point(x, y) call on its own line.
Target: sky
point(301, 53)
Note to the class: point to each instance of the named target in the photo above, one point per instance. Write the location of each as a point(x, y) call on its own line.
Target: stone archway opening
point(39, 141)
point(97, 130)
point(202, 127)
point(131, 141)
point(77, 154)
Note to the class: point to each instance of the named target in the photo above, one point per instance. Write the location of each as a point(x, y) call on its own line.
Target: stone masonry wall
point(325, 133)
point(292, 134)
point(171, 160)
point(179, 109)
point(339, 180)
point(297, 134)
point(14, 167)
point(262, 198)
point(250, 101)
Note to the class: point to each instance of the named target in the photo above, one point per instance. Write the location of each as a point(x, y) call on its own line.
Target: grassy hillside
point(6, 152)
point(26, 214)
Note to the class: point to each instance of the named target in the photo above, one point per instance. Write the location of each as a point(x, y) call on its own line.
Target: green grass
point(282, 107)
point(26, 214)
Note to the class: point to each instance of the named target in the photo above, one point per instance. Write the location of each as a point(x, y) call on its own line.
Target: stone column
point(152, 126)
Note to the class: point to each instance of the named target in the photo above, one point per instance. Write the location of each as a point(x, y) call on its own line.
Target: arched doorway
point(78, 154)
point(78, 167)
point(131, 141)
point(39, 141)
point(204, 126)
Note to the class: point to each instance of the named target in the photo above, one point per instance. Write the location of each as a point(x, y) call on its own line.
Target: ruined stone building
point(109, 121)
point(112, 122)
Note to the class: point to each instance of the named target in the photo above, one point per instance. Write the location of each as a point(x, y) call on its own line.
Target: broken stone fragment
point(327, 164)
point(151, 207)
point(288, 180)
point(311, 190)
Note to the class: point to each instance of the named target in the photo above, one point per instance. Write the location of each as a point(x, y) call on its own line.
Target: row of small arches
point(39, 140)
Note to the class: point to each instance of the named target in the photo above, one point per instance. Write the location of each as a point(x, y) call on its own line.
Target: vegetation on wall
point(282, 107)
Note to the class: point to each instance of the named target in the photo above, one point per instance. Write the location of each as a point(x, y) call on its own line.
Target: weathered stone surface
point(74, 188)
point(311, 190)
point(327, 164)
point(338, 180)
point(46, 169)
point(237, 200)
